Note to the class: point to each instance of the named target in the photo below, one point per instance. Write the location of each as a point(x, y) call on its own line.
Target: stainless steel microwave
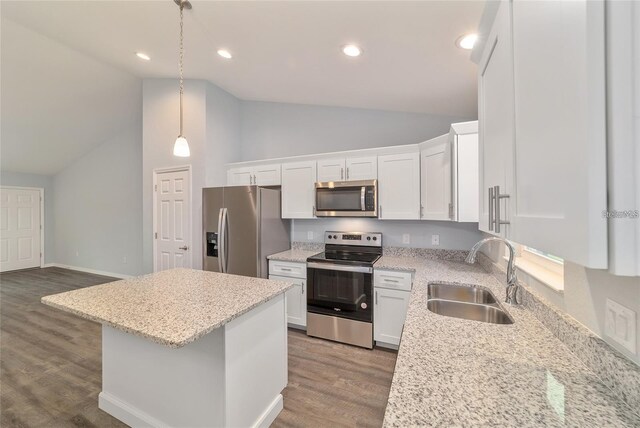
point(347, 198)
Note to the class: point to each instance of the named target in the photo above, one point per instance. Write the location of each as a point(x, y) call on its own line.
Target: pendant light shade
point(181, 148)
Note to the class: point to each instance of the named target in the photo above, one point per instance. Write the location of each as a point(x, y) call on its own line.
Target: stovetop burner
point(352, 248)
point(345, 256)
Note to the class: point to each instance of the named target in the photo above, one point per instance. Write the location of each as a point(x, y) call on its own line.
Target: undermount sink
point(466, 302)
point(460, 293)
point(469, 311)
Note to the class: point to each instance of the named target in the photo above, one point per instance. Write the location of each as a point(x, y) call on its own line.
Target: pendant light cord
point(180, 64)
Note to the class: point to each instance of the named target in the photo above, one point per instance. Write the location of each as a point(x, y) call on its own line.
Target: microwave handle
point(362, 193)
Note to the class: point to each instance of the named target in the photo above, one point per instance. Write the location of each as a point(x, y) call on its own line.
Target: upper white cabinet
point(348, 169)
point(495, 125)
point(298, 189)
point(449, 175)
point(399, 186)
point(436, 177)
point(261, 175)
point(542, 128)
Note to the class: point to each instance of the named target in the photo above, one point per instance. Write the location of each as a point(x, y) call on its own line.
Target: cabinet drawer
point(292, 269)
point(391, 279)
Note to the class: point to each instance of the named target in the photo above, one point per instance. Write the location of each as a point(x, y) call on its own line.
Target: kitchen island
point(188, 348)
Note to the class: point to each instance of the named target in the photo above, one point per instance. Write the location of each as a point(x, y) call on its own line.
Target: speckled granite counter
point(294, 255)
point(453, 372)
point(173, 307)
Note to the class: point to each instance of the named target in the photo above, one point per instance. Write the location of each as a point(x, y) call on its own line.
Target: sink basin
point(469, 311)
point(460, 293)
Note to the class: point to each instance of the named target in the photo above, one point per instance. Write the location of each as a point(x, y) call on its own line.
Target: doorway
point(21, 228)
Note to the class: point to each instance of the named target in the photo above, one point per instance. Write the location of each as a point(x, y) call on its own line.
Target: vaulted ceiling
point(70, 76)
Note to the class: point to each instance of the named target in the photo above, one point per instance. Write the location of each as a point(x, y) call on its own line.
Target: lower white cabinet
point(390, 306)
point(296, 296)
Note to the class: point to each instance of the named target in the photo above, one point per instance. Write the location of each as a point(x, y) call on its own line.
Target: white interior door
point(173, 220)
point(20, 239)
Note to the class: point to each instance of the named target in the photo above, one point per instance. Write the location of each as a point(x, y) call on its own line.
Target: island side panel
point(256, 365)
point(148, 384)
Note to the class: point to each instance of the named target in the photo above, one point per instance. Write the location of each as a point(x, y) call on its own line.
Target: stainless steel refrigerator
point(242, 226)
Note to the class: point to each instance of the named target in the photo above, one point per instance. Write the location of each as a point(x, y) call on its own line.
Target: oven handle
point(328, 266)
point(362, 192)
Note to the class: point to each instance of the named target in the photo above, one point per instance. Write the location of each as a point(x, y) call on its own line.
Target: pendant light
point(181, 146)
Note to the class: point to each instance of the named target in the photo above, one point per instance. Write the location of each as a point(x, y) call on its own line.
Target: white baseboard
point(87, 270)
point(126, 413)
point(270, 414)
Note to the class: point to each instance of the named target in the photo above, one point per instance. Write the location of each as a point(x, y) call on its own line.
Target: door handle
point(496, 197)
point(184, 248)
point(347, 173)
point(226, 240)
point(220, 239)
point(491, 206)
point(341, 173)
point(376, 297)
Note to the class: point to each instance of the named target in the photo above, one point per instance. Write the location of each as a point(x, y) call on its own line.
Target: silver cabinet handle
point(376, 297)
point(347, 173)
point(341, 173)
point(184, 248)
point(302, 288)
point(391, 280)
point(451, 211)
point(496, 197)
point(421, 211)
point(220, 243)
point(285, 269)
point(490, 207)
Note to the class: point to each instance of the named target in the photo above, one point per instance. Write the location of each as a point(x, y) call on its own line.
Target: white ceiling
point(283, 51)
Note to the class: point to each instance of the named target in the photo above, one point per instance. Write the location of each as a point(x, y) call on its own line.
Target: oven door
point(339, 290)
point(346, 199)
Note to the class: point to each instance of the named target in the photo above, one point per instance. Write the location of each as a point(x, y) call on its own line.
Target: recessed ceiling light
point(225, 53)
point(143, 56)
point(351, 50)
point(467, 41)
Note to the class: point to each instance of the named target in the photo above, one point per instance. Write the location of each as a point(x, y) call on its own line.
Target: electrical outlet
point(435, 239)
point(620, 325)
point(77, 253)
point(406, 238)
point(310, 236)
point(124, 260)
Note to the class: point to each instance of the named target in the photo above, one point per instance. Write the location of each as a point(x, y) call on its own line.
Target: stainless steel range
point(340, 288)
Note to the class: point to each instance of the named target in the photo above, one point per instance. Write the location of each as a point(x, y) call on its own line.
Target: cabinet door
point(267, 175)
point(495, 116)
point(298, 190)
point(331, 170)
point(240, 176)
point(560, 123)
point(296, 300)
point(399, 186)
point(362, 168)
point(389, 313)
point(435, 172)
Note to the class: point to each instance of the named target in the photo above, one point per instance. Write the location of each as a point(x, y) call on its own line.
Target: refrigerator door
point(212, 208)
point(241, 233)
point(273, 232)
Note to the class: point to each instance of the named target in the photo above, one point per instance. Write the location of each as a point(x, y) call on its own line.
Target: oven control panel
point(368, 239)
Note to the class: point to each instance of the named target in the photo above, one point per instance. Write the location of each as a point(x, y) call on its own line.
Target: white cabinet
point(362, 168)
point(348, 169)
point(463, 140)
point(298, 189)
point(391, 300)
point(295, 273)
point(560, 123)
point(261, 175)
point(331, 170)
point(496, 124)
point(436, 177)
point(399, 186)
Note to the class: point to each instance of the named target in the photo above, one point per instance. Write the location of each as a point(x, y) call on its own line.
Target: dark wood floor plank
point(51, 365)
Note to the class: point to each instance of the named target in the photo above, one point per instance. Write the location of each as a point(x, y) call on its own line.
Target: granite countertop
point(294, 255)
point(454, 372)
point(173, 307)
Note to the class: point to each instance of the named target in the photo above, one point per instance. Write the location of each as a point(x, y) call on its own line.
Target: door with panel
point(173, 220)
point(296, 301)
point(362, 168)
point(298, 189)
point(20, 229)
point(331, 170)
point(240, 176)
point(560, 122)
point(435, 182)
point(267, 175)
point(496, 125)
point(399, 186)
point(389, 313)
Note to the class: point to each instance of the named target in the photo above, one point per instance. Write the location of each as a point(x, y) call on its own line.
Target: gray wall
point(18, 179)
point(453, 236)
point(222, 134)
point(272, 130)
point(98, 208)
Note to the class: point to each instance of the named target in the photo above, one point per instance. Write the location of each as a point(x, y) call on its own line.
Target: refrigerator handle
point(220, 240)
point(225, 242)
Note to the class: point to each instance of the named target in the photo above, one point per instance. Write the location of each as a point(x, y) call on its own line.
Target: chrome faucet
point(512, 280)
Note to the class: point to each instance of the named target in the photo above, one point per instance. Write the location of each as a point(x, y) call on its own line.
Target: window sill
point(551, 279)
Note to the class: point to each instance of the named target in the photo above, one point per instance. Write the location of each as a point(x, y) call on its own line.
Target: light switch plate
point(620, 325)
point(406, 238)
point(435, 239)
point(310, 235)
